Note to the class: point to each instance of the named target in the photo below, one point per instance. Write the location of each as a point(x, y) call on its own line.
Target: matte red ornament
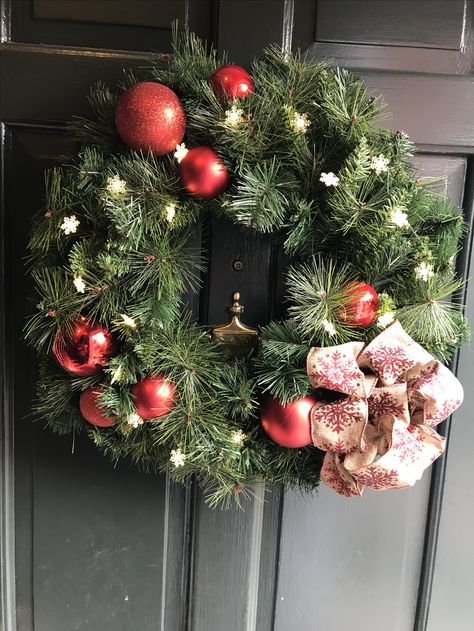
point(154, 396)
point(91, 410)
point(361, 307)
point(150, 117)
point(202, 173)
point(85, 349)
point(288, 425)
point(231, 82)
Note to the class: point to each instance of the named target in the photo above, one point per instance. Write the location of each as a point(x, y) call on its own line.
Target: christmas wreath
point(350, 385)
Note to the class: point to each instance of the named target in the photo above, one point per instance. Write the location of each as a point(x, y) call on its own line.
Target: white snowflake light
point(234, 116)
point(399, 218)
point(300, 122)
point(329, 327)
point(79, 284)
point(70, 224)
point(177, 458)
point(379, 164)
point(238, 437)
point(128, 321)
point(330, 179)
point(180, 152)
point(385, 319)
point(115, 185)
point(134, 420)
point(170, 212)
point(424, 271)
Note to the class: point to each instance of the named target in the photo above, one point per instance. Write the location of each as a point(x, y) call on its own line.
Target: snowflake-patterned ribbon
point(379, 432)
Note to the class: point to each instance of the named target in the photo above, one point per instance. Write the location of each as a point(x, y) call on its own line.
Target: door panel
point(368, 552)
point(351, 563)
point(98, 548)
point(386, 22)
point(393, 582)
point(453, 579)
point(101, 24)
point(90, 537)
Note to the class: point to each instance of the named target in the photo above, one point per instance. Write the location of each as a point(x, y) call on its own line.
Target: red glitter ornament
point(150, 117)
point(202, 173)
point(91, 409)
point(288, 425)
point(231, 82)
point(85, 349)
point(154, 396)
point(361, 305)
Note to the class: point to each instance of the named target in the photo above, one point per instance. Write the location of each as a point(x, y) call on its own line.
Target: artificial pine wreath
point(289, 149)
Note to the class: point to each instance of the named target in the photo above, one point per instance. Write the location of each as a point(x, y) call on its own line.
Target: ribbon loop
point(379, 432)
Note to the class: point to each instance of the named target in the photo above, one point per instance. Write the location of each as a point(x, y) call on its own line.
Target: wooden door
point(89, 547)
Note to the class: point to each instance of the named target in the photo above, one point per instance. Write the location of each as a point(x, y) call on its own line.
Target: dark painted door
point(89, 547)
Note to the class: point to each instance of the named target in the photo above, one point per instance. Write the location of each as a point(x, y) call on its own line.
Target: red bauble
point(202, 173)
point(85, 349)
point(231, 82)
point(150, 117)
point(154, 396)
point(361, 307)
point(91, 410)
point(288, 425)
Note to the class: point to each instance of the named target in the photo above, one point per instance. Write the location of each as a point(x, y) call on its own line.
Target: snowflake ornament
point(170, 212)
point(234, 116)
point(128, 321)
point(115, 185)
point(379, 164)
point(300, 122)
point(330, 179)
point(385, 319)
point(424, 271)
point(70, 224)
point(177, 458)
point(180, 152)
point(79, 284)
point(134, 420)
point(238, 437)
point(399, 218)
point(329, 327)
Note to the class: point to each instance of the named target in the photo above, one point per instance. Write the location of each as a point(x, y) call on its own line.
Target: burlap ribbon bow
point(379, 431)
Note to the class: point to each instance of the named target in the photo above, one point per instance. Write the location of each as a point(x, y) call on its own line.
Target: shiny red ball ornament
point(91, 410)
point(202, 173)
point(288, 425)
point(361, 307)
point(85, 349)
point(231, 82)
point(150, 117)
point(154, 396)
